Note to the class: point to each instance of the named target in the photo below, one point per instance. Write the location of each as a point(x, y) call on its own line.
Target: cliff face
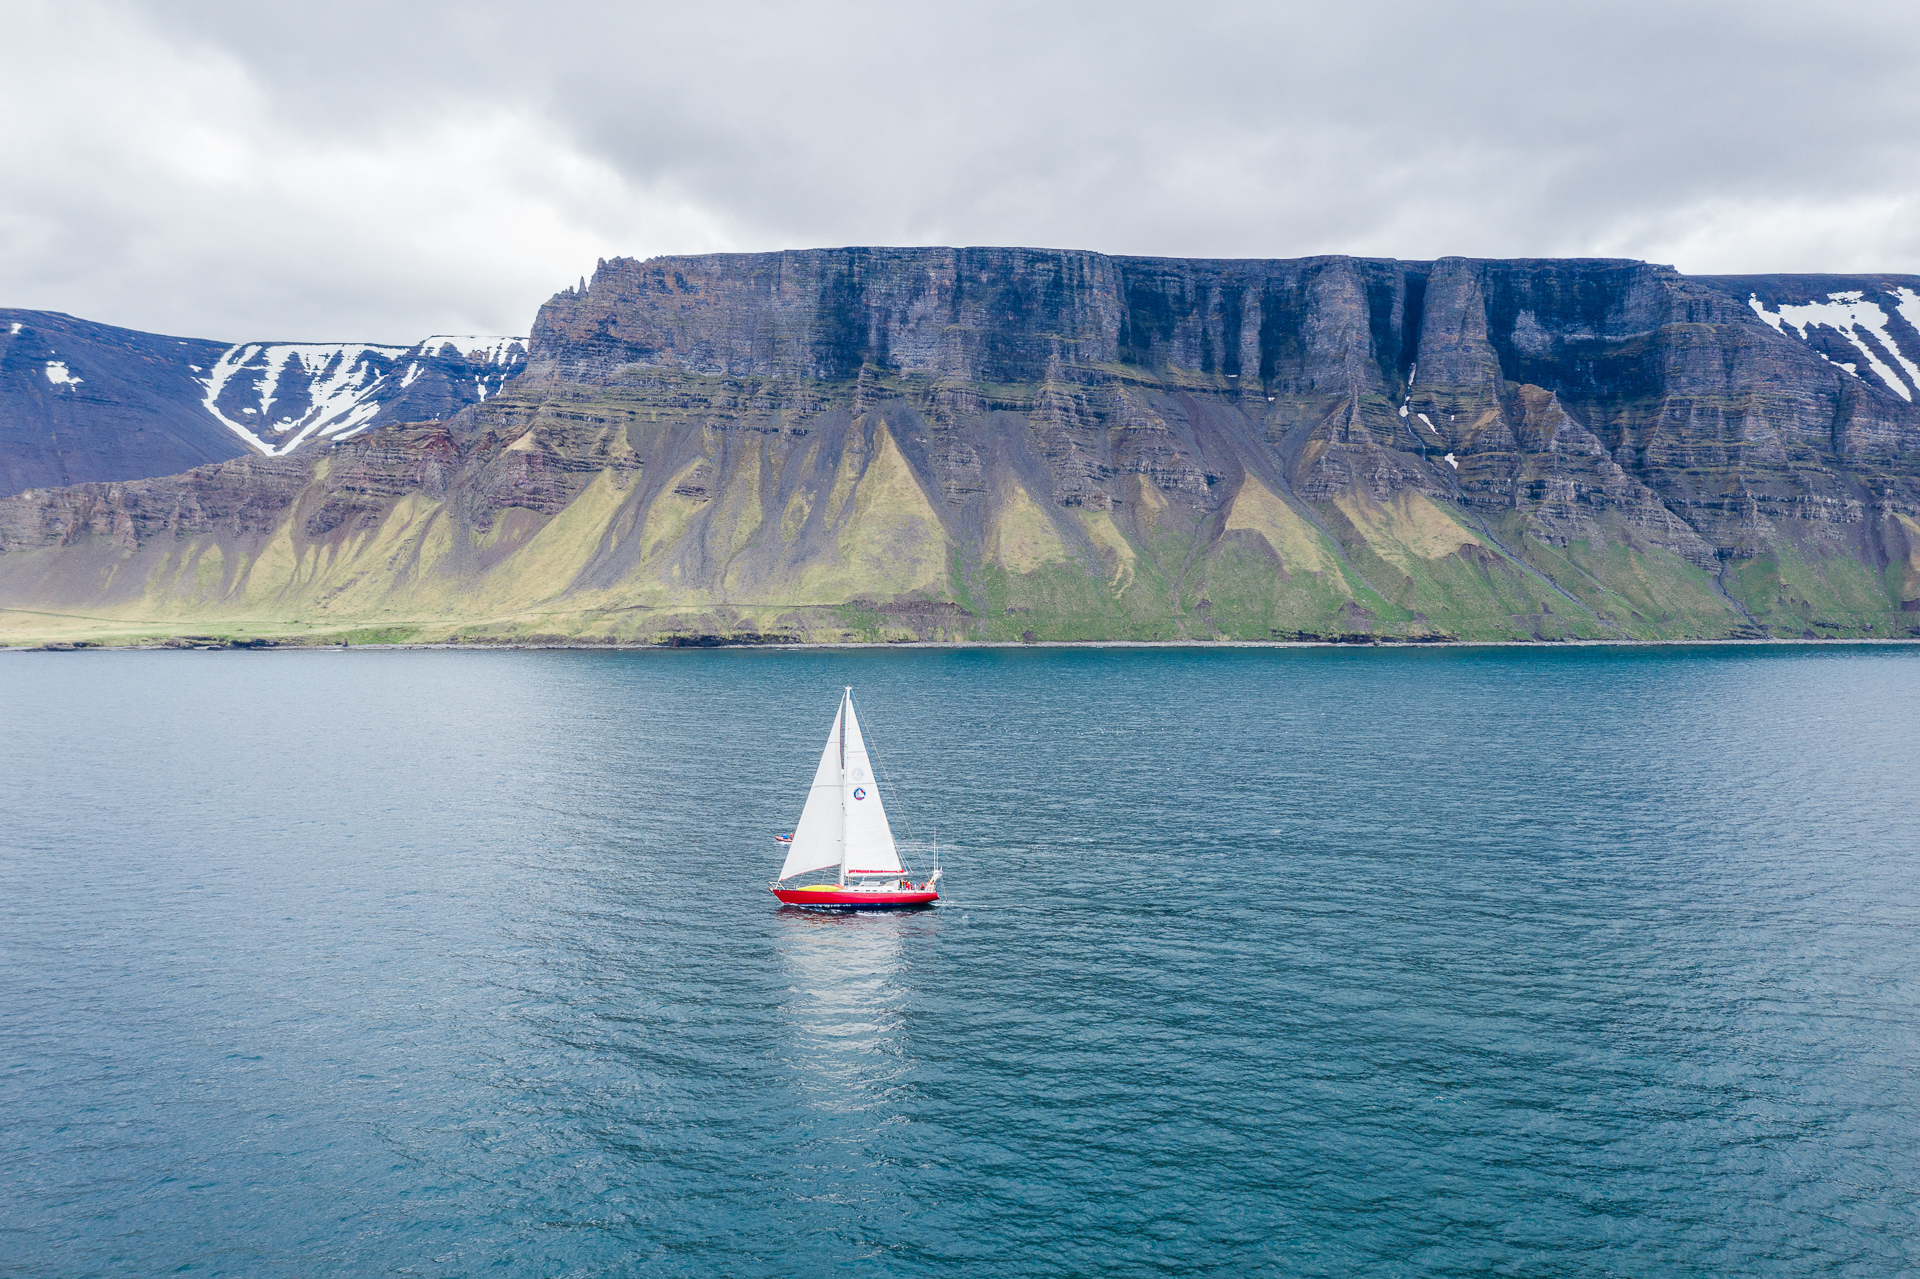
point(1004, 442)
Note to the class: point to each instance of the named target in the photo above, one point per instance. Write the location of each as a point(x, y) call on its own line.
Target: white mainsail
point(820, 838)
point(870, 846)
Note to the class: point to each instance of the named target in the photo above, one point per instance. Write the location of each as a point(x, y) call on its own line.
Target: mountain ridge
point(86, 402)
point(1008, 443)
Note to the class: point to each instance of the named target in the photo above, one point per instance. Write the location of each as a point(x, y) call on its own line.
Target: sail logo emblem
point(859, 792)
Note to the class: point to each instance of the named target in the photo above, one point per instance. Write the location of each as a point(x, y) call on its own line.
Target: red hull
point(853, 897)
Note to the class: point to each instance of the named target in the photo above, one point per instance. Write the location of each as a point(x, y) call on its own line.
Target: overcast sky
point(381, 171)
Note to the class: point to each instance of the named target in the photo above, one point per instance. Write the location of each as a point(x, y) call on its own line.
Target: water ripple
point(1287, 962)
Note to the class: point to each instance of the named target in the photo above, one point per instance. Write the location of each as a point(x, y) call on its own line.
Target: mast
point(846, 697)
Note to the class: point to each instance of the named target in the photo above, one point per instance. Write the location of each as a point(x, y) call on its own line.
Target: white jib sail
point(819, 838)
point(870, 846)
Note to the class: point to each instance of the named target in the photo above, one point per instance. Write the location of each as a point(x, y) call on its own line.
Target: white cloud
point(163, 190)
point(237, 170)
point(1757, 235)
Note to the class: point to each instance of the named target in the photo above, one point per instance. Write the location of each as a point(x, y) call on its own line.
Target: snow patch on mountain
point(300, 393)
point(60, 375)
point(1908, 305)
point(333, 393)
point(1863, 323)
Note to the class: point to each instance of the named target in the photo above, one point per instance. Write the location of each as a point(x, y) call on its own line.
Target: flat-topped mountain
point(973, 313)
point(1006, 443)
point(86, 402)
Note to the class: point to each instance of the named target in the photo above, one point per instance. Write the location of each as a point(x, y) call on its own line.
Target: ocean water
point(1303, 962)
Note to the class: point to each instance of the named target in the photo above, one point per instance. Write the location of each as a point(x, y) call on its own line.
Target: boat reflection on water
point(850, 985)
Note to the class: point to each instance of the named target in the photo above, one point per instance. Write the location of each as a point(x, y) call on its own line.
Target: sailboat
point(845, 825)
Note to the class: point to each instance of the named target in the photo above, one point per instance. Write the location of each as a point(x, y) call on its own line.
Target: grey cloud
point(1722, 137)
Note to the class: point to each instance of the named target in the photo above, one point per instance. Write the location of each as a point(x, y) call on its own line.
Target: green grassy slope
point(691, 508)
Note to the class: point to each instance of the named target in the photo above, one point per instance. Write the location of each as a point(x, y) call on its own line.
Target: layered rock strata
point(1008, 443)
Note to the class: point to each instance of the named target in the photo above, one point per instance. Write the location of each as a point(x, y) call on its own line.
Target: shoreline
point(85, 646)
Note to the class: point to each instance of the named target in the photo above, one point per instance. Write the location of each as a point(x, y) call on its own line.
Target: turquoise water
point(1312, 962)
